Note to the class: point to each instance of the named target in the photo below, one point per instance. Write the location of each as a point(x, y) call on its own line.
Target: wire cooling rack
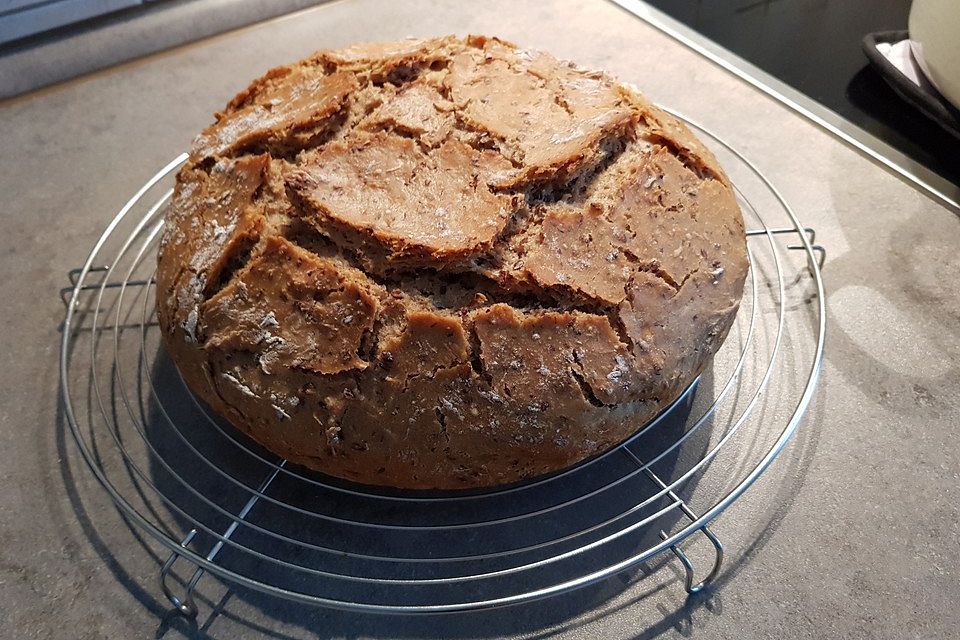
point(216, 500)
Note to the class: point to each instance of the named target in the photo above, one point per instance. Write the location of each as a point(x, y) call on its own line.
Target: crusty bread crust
point(445, 263)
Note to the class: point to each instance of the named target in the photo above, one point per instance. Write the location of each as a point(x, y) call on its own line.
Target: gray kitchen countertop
point(854, 532)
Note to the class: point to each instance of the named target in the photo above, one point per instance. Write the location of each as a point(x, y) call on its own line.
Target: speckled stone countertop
point(855, 533)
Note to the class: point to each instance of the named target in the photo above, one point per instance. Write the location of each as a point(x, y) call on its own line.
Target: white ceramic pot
point(935, 40)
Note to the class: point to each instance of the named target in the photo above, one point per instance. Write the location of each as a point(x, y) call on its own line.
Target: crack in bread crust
point(445, 263)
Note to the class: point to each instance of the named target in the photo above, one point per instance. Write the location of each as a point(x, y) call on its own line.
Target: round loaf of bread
point(445, 263)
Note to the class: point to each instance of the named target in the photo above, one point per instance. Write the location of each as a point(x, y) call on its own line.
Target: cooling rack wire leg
point(185, 604)
point(811, 233)
point(688, 566)
point(74, 274)
point(689, 585)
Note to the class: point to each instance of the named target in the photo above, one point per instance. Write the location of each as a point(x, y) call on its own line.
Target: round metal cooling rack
point(215, 499)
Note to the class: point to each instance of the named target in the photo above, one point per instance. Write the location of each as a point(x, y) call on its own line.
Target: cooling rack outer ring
point(698, 523)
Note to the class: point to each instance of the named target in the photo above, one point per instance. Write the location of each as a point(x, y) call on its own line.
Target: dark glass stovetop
point(814, 46)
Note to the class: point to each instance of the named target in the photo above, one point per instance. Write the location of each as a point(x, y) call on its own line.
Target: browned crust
point(445, 263)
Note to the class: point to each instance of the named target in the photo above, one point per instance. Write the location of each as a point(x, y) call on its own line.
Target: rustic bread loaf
point(445, 263)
